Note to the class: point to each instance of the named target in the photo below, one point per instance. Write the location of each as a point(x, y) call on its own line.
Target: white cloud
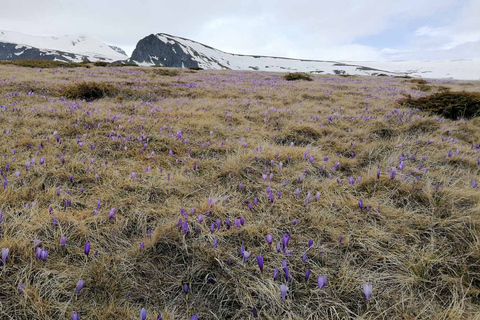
point(315, 29)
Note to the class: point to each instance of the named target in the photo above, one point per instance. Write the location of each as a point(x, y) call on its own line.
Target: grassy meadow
point(128, 188)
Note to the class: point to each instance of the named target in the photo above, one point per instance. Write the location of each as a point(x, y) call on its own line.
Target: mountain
point(17, 46)
point(170, 51)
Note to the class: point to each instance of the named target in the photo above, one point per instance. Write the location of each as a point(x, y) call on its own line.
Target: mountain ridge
point(69, 48)
point(162, 49)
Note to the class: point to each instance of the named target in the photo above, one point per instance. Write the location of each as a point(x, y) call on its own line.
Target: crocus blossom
point(367, 291)
point(283, 290)
point(260, 263)
point(79, 286)
point(321, 281)
point(5, 255)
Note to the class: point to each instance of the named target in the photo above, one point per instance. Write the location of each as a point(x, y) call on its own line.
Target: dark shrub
point(195, 68)
point(89, 91)
point(167, 72)
point(101, 64)
point(418, 81)
point(297, 76)
point(451, 105)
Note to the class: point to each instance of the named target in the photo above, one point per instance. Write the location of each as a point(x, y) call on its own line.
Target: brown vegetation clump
point(451, 105)
point(89, 91)
point(101, 64)
point(297, 76)
point(167, 72)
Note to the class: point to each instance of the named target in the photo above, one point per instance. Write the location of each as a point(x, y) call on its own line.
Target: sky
point(355, 30)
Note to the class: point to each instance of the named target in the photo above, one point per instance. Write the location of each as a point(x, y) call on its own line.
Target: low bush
point(123, 64)
point(451, 105)
point(297, 76)
point(89, 91)
point(167, 72)
point(101, 64)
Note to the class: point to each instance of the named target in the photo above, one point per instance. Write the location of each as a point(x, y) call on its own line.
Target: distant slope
point(15, 46)
point(171, 51)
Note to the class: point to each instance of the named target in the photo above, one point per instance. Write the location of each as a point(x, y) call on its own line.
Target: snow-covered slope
point(15, 45)
point(171, 51)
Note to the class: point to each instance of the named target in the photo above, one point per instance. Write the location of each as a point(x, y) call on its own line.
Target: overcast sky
point(310, 29)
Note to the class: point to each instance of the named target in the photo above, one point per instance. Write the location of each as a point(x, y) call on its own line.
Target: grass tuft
point(451, 105)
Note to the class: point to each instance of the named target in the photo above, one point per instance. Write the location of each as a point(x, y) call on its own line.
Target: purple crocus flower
point(255, 313)
point(112, 213)
point(260, 263)
point(367, 290)
point(63, 241)
point(194, 317)
point(5, 255)
point(360, 204)
point(215, 242)
point(275, 274)
point(228, 223)
point(393, 174)
point(134, 174)
point(283, 290)
point(269, 239)
point(79, 286)
point(42, 254)
point(143, 314)
point(309, 195)
point(322, 281)
point(75, 316)
point(242, 221)
point(185, 288)
point(304, 257)
point(378, 174)
point(310, 243)
point(287, 273)
point(246, 255)
point(307, 274)
point(86, 248)
point(271, 197)
point(285, 239)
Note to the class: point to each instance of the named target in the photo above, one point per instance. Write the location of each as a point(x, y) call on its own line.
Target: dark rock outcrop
point(11, 51)
point(152, 50)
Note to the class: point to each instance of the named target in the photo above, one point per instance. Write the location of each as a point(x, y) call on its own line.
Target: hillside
point(156, 193)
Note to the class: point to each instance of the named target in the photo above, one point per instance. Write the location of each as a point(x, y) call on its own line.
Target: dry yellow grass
point(417, 244)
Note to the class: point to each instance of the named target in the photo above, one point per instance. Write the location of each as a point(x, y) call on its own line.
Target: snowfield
point(93, 48)
point(211, 58)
